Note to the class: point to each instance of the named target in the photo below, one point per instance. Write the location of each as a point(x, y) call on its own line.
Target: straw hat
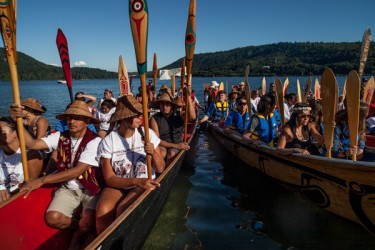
point(164, 97)
point(234, 91)
point(127, 106)
point(79, 108)
point(179, 102)
point(34, 105)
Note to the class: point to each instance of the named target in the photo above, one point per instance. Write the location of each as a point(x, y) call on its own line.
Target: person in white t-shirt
point(76, 167)
point(103, 114)
point(108, 95)
point(122, 155)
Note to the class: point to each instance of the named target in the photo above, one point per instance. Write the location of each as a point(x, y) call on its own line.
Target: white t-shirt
point(11, 171)
point(104, 118)
point(88, 155)
point(127, 155)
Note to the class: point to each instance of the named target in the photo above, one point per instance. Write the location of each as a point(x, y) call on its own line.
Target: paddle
point(368, 91)
point(264, 86)
point(173, 87)
point(155, 70)
point(123, 78)
point(138, 15)
point(280, 99)
point(353, 89)
point(329, 104)
point(285, 86)
point(247, 90)
point(344, 92)
point(366, 40)
point(8, 32)
point(316, 89)
point(221, 87)
point(183, 73)
point(306, 90)
point(190, 39)
point(62, 46)
point(299, 97)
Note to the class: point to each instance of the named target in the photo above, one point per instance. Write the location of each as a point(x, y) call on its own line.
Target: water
point(218, 202)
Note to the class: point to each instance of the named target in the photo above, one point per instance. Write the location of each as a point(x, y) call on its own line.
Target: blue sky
point(99, 31)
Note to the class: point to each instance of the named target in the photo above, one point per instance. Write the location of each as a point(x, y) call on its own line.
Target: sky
point(98, 32)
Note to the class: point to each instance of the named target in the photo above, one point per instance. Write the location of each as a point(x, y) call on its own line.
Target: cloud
point(80, 64)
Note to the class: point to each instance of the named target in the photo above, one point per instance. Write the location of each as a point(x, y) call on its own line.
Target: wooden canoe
point(23, 225)
point(343, 187)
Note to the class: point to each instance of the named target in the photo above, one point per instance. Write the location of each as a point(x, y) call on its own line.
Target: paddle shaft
point(155, 70)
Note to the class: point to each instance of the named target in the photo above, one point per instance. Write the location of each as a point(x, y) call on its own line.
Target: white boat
point(61, 81)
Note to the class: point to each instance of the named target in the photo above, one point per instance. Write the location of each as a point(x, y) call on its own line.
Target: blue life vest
point(266, 130)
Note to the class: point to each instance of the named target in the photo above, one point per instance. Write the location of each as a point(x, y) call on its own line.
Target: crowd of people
point(97, 154)
point(303, 130)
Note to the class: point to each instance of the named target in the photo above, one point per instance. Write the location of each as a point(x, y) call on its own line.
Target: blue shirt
point(63, 126)
point(341, 140)
point(237, 121)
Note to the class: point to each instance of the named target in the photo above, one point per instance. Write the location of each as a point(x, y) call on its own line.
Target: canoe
point(342, 187)
point(23, 225)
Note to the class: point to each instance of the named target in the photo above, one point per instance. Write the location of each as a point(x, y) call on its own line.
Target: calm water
point(217, 202)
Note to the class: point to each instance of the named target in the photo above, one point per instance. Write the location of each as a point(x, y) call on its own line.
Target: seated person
point(103, 114)
point(11, 170)
point(233, 96)
point(168, 125)
point(341, 140)
point(238, 119)
point(122, 155)
point(77, 166)
point(370, 124)
point(297, 132)
point(263, 124)
point(107, 95)
point(217, 111)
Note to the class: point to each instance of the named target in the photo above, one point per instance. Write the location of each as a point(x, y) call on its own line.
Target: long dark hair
point(292, 123)
point(266, 103)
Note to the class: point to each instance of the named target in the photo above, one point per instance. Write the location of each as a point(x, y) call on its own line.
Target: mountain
point(30, 69)
point(285, 58)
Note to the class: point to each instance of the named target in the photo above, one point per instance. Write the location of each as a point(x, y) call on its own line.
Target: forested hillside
point(309, 58)
point(282, 59)
point(31, 69)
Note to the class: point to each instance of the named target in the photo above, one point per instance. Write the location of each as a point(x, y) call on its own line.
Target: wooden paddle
point(353, 88)
point(62, 46)
point(8, 32)
point(280, 99)
point(138, 15)
point(329, 105)
point(183, 74)
point(173, 87)
point(123, 78)
point(366, 40)
point(344, 92)
point(368, 90)
point(285, 86)
point(316, 89)
point(264, 86)
point(221, 87)
point(190, 39)
point(155, 70)
point(306, 90)
point(299, 97)
point(247, 90)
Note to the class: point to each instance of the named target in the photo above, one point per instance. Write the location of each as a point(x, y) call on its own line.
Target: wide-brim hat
point(215, 84)
point(79, 108)
point(234, 91)
point(127, 106)
point(34, 105)
point(164, 97)
point(179, 102)
point(164, 87)
point(241, 84)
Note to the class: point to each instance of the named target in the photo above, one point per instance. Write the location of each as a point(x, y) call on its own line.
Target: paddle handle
point(145, 121)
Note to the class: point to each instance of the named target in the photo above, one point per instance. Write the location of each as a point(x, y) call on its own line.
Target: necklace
point(132, 147)
point(73, 146)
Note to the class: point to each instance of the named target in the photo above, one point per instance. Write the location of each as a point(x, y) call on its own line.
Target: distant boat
point(61, 81)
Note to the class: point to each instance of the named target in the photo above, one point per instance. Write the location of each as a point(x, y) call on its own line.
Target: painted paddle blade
point(329, 105)
point(306, 89)
point(62, 46)
point(8, 34)
point(280, 99)
point(123, 78)
point(190, 39)
point(353, 88)
point(316, 89)
point(366, 40)
point(369, 90)
point(138, 15)
point(285, 86)
point(264, 86)
point(299, 96)
point(155, 70)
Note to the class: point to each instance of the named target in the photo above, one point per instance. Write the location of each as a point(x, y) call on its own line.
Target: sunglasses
point(165, 103)
point(242, 103)
point(304, 116)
